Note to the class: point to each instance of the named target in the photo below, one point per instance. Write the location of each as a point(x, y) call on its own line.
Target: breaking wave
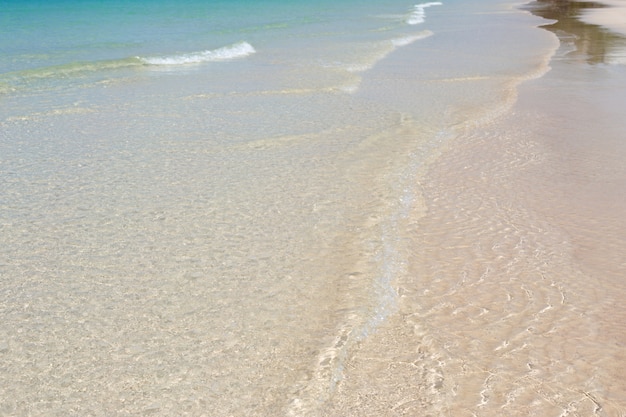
point(238, 50)
point(418, 15)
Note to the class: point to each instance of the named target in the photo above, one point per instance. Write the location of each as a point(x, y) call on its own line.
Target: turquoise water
point(54, 53)
point(52, 40)
point(206, 205)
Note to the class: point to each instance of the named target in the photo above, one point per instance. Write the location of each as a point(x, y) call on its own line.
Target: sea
point(206, 206)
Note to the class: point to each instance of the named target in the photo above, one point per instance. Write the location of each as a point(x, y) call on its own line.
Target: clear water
point(205, 205)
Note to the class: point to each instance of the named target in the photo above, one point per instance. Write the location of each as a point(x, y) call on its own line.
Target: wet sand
point(513, 300)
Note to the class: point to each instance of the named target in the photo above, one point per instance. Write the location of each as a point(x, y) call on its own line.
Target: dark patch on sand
point(593, 43)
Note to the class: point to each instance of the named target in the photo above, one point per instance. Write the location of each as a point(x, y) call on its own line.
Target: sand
point(513, 304)
point(612, 17)
point(162, 276)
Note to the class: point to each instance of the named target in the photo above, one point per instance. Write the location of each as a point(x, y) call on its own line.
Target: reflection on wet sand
point(592, 43)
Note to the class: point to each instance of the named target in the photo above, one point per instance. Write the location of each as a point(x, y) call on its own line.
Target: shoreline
point(511, 304)
point(437, 233)
point(583, 32)
point(539, 217)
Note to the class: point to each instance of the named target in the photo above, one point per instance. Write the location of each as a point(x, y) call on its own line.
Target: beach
point(312, 209)
point(611, 17)
point(522, 243)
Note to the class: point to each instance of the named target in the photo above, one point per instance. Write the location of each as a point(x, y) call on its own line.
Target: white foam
point(383, 49)
point(238, 50)
point(418, 15)
point(407, 40)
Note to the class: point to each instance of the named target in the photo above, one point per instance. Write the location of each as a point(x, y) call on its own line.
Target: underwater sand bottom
point(512, 301)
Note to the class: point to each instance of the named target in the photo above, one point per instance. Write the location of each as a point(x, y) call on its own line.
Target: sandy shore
point(513, 304)
point(612, 17)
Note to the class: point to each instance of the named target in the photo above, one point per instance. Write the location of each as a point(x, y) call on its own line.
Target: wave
point(418, 15)
point(238, 50)
point(48, 76)
point(407, 40)
point(384, 48)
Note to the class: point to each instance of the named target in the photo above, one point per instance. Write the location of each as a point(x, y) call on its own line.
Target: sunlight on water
point(240, 208)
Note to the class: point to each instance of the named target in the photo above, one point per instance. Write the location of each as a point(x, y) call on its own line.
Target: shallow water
point(510, 304)
point(244, 235)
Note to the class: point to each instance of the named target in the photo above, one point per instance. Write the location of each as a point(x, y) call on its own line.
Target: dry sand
point(612, 17)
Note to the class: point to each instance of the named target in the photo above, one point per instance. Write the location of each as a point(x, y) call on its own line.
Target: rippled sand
point(513, 301)
point(431, 243)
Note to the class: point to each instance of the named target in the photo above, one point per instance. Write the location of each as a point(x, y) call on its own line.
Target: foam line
point(238, 50)
point(418, 15)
